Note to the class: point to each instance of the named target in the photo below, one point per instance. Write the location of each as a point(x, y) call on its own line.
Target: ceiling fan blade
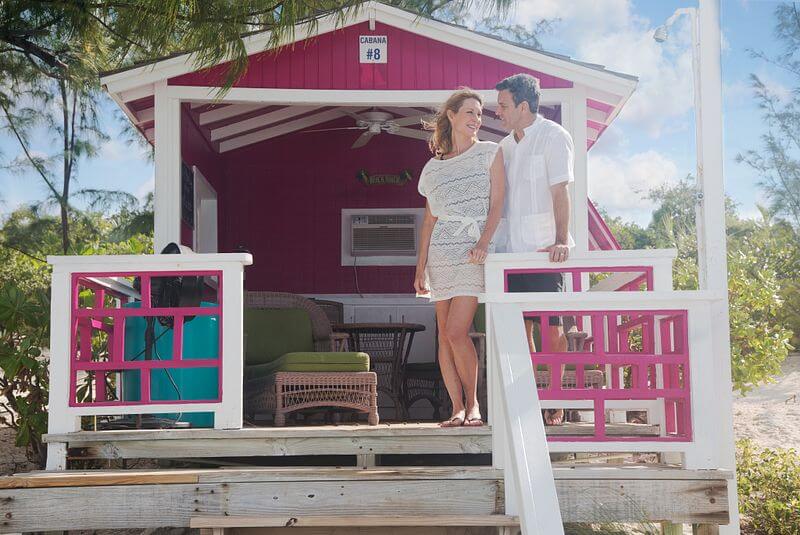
point(410, 132)
point(409, 121)
point(353, 115)
point(363, 139)
point(331, 129)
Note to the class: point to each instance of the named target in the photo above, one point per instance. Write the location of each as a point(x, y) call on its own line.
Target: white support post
point(167, 201)
point(701, 455)
point(532, 485)
point(59, 418)
point(712, 252)
point(580, 188)
point(230, 414)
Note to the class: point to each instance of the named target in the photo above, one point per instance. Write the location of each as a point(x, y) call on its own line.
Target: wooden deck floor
point(384, 439)
point(314, 497)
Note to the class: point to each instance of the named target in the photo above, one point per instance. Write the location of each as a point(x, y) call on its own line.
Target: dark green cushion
point(480, 319)
point(318, 361)
point(271, 333)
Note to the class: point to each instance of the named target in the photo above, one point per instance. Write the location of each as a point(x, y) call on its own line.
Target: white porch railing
point(92, 300)
point(654, 349)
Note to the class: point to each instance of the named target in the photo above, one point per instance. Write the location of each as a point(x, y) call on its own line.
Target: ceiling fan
point(376, 122)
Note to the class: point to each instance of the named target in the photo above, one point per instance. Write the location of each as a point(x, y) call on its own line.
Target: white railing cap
point(540, 259)
point(596, 300)
point(143, 262)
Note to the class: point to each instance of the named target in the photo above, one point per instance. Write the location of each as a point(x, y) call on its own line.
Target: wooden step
point(385, 439)
point(121, 499)
point(366, 521)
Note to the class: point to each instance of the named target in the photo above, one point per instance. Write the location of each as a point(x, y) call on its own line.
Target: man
point(538, 155)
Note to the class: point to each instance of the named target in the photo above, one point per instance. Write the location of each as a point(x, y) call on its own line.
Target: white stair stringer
point(530, 487)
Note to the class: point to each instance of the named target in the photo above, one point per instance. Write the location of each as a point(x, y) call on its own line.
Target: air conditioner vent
point(383, 235)
point(385, 219)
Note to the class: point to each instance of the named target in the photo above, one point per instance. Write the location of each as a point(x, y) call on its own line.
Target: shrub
point(769, 490)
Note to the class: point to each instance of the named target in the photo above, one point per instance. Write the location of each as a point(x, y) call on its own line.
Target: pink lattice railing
point(102, 311)
point(646, 355)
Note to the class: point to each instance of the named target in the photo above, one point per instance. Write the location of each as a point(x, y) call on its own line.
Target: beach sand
point(770, 414)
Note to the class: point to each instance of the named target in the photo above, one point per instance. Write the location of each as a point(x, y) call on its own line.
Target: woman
point(464, 185)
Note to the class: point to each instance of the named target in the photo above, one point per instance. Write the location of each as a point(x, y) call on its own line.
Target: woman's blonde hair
point(441, 141)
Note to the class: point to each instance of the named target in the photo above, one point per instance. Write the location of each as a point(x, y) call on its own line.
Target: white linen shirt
point(543, 158)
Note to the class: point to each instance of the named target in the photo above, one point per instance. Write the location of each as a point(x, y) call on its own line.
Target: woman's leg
point(448, 367)
point(459, 320)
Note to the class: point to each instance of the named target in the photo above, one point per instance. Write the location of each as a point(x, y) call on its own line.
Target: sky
point(651, 143)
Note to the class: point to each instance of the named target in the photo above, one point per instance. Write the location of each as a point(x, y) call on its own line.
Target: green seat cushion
point(272, 333)
point(319, 361)
point(480, 319)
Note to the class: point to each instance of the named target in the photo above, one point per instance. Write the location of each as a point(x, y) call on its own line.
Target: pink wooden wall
point(330, 61)
point(195, 150)
point(286, 208)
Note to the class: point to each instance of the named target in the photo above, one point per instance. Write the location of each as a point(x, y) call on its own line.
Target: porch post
point(580, 188)
point(167, 202)
point(60, 419)
point(712, 252)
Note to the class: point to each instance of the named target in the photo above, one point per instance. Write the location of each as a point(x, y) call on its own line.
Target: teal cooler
point(200, 341)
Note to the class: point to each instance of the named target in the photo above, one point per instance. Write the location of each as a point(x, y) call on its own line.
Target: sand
point(770, 414)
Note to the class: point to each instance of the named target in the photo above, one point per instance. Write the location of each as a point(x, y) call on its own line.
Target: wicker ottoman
point(286, 392)
point(591, 379)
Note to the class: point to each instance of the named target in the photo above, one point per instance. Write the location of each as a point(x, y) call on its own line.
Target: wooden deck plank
point(150, 506)
point(351, 521)
point(334, 431)
point(154, 505)
point(409, 439)
point(95, 478)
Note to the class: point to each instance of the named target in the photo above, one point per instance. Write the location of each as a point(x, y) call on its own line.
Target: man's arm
point(559, 251)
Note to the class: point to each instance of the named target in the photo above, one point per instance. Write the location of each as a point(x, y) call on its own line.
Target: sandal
point(550, 417)
point(454, 421)
point(473, 421)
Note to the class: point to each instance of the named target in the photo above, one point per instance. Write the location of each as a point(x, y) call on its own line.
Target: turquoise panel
point(200, 341)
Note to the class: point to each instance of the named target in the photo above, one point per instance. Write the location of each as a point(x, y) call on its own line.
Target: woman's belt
point(469, 224)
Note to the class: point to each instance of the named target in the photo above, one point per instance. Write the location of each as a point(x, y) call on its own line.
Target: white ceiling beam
point(147, 115)
point(592, 134)
point(226, 112)
point(259, 121)
point(285, 128)
point(596, 115)
point(357, 97)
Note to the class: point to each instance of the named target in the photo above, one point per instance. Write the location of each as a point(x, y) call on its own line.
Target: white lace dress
point(457, 190)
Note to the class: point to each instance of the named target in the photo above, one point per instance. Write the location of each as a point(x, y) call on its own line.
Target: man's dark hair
point(523, 88)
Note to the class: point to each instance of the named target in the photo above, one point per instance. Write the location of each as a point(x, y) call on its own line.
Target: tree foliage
point(777, 161)
point(763, 259)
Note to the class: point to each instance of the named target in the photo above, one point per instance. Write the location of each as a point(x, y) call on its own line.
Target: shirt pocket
point(539, 230)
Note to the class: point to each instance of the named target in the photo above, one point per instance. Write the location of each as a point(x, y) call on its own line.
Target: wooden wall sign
point(381, 179)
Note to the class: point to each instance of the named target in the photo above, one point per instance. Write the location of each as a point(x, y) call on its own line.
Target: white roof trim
point(462, 38)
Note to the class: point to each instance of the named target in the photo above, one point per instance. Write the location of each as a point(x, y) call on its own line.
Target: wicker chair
point(284, 392)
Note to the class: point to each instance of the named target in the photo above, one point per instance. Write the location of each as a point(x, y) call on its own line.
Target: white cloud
point(146, 187)
point(116, 150)
point(618, 184)
point(776, 88)
point(611, 34)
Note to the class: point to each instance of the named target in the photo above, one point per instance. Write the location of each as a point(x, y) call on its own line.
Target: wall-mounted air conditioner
point(380, 236)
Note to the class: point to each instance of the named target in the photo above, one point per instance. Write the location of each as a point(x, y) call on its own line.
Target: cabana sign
point(382, 179)
point(372, 48)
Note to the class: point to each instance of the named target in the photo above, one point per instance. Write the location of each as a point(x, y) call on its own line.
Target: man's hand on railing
point(559, 252)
